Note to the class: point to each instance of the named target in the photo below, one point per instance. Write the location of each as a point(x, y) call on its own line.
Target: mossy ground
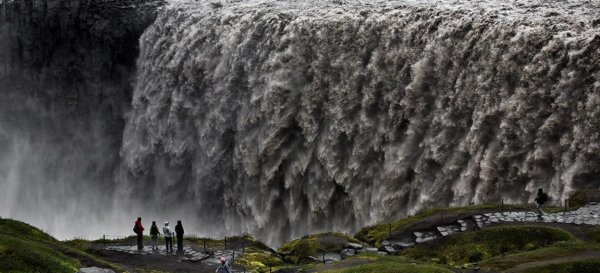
point(587, 266)
point(554, 251)
point(385, 264)
point(474, 247)
point(378, 233)
point(300, 250)
point(24, 248)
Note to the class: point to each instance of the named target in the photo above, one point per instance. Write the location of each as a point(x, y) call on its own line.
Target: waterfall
point(282, 118)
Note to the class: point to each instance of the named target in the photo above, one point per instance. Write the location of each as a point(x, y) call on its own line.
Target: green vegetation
point(19, 255)
point(378, 233)
point(580, 198)
point(586, 266)
point(555, 251)
point(24, 248)
point(595, 234)
point(390, 264)
point(256, 260)
point(300, 250)
point(474, 247)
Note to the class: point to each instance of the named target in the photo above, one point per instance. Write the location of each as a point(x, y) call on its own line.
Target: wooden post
point(244, 268)
point(225, 243)
point(323, 257)
point(502, 201)
point(104, 240)
point(204, 243)
point(233, 258)
point(243, 248)
point(270, 268)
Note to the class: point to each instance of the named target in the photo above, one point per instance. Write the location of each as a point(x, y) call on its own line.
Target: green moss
point(595, 234)
point(24, 248)
point(472, 247)
point(586, 266)
point(258, 261)
point(299, 251)
point(392, 265)
point(578, 199)
point(581, 197)
point(20, 255)
point(556, 250)
point(23, 230)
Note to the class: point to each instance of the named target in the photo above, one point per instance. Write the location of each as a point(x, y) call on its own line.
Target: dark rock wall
point(66, 69)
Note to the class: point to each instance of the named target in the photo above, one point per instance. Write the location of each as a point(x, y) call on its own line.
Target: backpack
point(544, 197)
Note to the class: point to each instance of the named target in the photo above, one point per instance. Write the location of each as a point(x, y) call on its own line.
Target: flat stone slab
point(188, 255)
point(95, 270)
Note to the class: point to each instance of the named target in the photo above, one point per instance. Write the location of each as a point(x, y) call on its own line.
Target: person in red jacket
point(139, 230)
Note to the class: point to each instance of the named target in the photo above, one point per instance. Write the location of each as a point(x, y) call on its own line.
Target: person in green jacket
point(154, 234)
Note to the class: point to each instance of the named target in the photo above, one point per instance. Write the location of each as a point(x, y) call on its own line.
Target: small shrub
point(578, 199)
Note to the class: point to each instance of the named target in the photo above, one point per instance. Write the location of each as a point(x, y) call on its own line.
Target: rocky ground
point(195, 258)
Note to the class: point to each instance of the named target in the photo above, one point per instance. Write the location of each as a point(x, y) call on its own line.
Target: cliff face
point(281, 118)
point(66, 69)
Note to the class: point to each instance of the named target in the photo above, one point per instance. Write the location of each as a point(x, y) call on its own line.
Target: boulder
point(371, 249)
point(354, 246)
point(95, 270)
point(347, 252)
point(389, 249)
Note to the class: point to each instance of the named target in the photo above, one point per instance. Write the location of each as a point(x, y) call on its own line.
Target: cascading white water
point(280, 118)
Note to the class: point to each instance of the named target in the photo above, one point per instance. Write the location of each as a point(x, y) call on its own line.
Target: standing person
point(224, 267)
point(168, 237)
point(540, 200)
point(154, 234)
point(138, 228)
point(179, 232)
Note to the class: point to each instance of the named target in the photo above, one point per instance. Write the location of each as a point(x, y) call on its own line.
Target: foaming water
point(281, 118)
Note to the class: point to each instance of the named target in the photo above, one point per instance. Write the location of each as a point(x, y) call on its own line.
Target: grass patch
point(582, 197)
point(556, 250)
point(595, 234)
point(474, 247)
point(391, 264)
point(256, 260)
point(586, 266)
point(21, 255)
point(24, 248)
point(300, 250)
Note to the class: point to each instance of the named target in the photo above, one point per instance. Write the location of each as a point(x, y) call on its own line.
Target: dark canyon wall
point(66, 69)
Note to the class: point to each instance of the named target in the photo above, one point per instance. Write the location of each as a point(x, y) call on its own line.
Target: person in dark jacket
point(138, 228)
point(154, 234)
point(540, 200)
point(179, 233)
